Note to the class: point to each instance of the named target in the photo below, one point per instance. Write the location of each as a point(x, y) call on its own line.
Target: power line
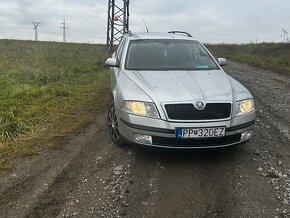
point(77, 10)
point(88, 5)
point(41, 18)
point(40, 8)
point(47, 9)
point(86, 20)
point(83, 12)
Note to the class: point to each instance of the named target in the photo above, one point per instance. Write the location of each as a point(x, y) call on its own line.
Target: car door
point(114, 70)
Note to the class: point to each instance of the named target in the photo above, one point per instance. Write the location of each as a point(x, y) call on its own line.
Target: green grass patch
point(11, 126)
point(47, 90)
point(269, 56)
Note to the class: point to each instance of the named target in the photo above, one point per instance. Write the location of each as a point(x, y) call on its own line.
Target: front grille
point(212, 111)
point(205, 142)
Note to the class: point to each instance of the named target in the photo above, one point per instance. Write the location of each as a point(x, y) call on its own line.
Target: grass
point(269, 56)
point(47, 91)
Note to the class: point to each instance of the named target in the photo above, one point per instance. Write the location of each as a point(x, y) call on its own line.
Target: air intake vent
point(202, 143)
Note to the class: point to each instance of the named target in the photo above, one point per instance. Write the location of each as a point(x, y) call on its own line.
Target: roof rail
point(180, 32)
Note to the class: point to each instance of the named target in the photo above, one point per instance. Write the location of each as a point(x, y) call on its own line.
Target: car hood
point(178, 86)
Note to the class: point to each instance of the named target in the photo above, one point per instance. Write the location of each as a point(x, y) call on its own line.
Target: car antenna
point(145, 26)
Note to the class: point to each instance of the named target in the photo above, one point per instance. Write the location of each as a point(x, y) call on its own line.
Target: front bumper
point(163, 132)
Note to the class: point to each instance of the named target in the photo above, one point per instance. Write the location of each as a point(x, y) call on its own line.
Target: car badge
point(199, 105)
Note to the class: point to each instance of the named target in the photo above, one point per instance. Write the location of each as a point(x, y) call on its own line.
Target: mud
point(91, 177)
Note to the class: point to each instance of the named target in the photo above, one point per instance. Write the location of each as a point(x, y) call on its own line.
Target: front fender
point(126, 89)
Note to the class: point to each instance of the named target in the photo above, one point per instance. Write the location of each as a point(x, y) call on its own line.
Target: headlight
point(145, 109)
point(245, 106)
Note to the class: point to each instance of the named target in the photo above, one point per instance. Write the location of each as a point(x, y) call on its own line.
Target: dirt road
point(90, 177)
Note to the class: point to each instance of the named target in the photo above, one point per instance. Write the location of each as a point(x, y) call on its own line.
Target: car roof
point(155, 35)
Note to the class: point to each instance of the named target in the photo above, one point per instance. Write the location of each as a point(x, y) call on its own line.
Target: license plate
point(201, 132)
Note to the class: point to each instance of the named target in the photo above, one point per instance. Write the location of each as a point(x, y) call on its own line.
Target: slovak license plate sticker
point(201, 132)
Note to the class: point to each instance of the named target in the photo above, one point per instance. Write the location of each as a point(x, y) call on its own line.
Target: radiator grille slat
point(212, 111)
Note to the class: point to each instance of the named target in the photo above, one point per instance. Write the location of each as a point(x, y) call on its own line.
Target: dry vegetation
point(47, 90)
point(270, 56)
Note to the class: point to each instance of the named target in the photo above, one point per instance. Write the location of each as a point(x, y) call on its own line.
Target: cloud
point(210, 21)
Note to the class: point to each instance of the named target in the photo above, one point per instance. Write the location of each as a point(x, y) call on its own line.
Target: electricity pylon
point(285, 34)
point(35, 27)
point(118, 21)
point(64, 27)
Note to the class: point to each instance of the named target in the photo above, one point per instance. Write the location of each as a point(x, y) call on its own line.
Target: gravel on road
point(91, 177)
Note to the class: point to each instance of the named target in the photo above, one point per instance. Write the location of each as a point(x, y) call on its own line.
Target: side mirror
point(222, 61)
point(112, 62)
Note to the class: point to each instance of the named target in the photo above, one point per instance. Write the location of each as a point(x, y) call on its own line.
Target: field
point(47, 91)
point(53, 103)
point(269, 56)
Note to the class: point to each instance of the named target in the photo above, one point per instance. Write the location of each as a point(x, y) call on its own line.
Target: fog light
point(246, 135)
point(144, 139)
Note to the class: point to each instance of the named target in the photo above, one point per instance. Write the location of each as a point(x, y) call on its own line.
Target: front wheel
point(114, 127)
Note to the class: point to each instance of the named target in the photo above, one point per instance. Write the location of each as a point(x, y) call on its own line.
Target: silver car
point(169, 92)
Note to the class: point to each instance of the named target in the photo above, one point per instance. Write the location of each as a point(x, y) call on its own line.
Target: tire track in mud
point(91, 177)
point(40, 175)
point(80, 189)
point(50, 203)
point(190, 184)
point(222, 183)
point(145, 175)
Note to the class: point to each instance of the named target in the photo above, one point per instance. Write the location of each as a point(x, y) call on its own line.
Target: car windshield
point(156, 54)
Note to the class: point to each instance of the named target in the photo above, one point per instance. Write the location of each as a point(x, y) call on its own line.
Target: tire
point(113, 127)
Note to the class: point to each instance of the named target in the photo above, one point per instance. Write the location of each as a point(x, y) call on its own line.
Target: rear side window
point(120, 50)
point(168, 54)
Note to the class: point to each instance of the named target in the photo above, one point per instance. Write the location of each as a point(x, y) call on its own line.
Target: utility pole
point(286, 37)
point(64, 29)
point(35, 27)
point(118, 21)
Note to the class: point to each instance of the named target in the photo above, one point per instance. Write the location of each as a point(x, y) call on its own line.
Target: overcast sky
point(214, 21)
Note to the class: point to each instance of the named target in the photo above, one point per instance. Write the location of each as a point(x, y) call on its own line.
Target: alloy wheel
point(113, 124)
